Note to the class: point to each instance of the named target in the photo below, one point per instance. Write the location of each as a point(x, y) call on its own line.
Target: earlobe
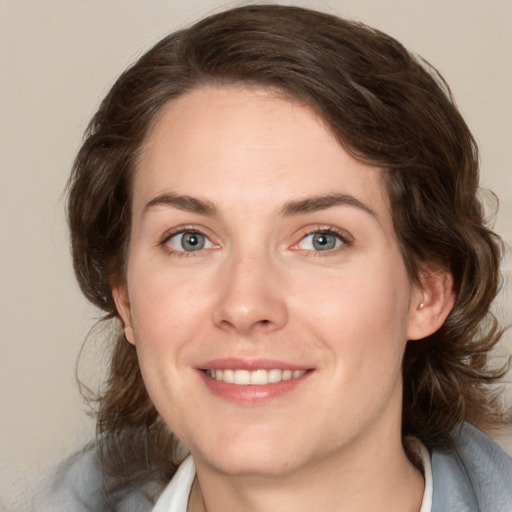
point(120, 295)
point(431, 303)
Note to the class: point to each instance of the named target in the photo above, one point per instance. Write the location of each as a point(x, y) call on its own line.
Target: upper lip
point(250, 364)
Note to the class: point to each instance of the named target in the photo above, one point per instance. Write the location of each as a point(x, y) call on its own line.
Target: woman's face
point(262, 253)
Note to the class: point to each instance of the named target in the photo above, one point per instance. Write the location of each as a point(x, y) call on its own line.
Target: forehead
point(227, 141)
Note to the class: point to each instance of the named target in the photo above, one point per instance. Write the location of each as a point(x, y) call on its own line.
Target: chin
point(255, 464)
point(252, 456)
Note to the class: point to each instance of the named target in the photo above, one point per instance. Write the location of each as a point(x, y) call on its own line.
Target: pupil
point(323, 241)
point(192, 241)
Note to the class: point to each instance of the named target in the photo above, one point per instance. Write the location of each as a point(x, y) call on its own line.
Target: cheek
point(170, 318)
point(163, 301)
point(367, 299)
point(361, 318)
point(165, 322)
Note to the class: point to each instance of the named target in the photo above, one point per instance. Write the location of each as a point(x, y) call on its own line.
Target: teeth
point(275, 376)
point(255, 377)
point(242, 377)
point(287, 375)
point(227, 376)
point(259, 377)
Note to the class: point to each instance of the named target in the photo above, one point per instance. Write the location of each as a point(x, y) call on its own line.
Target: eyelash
point(344, 237)
point(181, 231)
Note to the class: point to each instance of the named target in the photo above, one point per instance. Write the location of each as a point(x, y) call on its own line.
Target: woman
point(280, 208)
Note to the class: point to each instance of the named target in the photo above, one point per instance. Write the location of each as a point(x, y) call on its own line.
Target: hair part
point(387, 108)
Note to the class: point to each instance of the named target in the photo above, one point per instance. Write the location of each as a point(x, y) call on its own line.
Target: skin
point(260, 289)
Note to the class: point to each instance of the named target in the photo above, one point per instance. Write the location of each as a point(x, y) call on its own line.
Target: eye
point(321, 241)
point(189, 241)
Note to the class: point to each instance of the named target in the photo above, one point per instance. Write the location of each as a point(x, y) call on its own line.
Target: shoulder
point(476, 475)
point(77, 485)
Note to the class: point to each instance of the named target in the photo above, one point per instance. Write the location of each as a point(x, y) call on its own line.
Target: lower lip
point(251, 394)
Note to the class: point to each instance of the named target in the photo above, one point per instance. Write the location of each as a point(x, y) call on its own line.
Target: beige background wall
point(57, 59)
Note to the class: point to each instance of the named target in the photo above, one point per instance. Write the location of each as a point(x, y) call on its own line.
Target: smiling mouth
point(258, 377)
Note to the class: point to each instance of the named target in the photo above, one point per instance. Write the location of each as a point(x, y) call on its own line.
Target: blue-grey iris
point(324, 241)
point(192, 241)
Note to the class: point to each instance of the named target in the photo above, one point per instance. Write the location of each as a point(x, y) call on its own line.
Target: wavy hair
point(387, 108)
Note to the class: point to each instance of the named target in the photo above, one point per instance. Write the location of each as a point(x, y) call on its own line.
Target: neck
point(379, 477)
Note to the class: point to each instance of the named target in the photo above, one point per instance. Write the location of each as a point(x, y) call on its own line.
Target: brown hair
point(387, 108)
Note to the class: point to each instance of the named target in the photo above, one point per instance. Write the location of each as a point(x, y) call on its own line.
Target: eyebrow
point(290, 208)
point(316, 203)
point(182, 202)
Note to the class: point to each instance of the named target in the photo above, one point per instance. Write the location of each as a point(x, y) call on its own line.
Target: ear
point(120, 295)
point(431, 303)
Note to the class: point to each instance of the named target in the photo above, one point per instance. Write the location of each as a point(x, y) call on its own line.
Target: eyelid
point(346, 238)
point(181, 230)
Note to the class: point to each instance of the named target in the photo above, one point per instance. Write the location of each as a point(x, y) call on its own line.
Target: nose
point(251, 297)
